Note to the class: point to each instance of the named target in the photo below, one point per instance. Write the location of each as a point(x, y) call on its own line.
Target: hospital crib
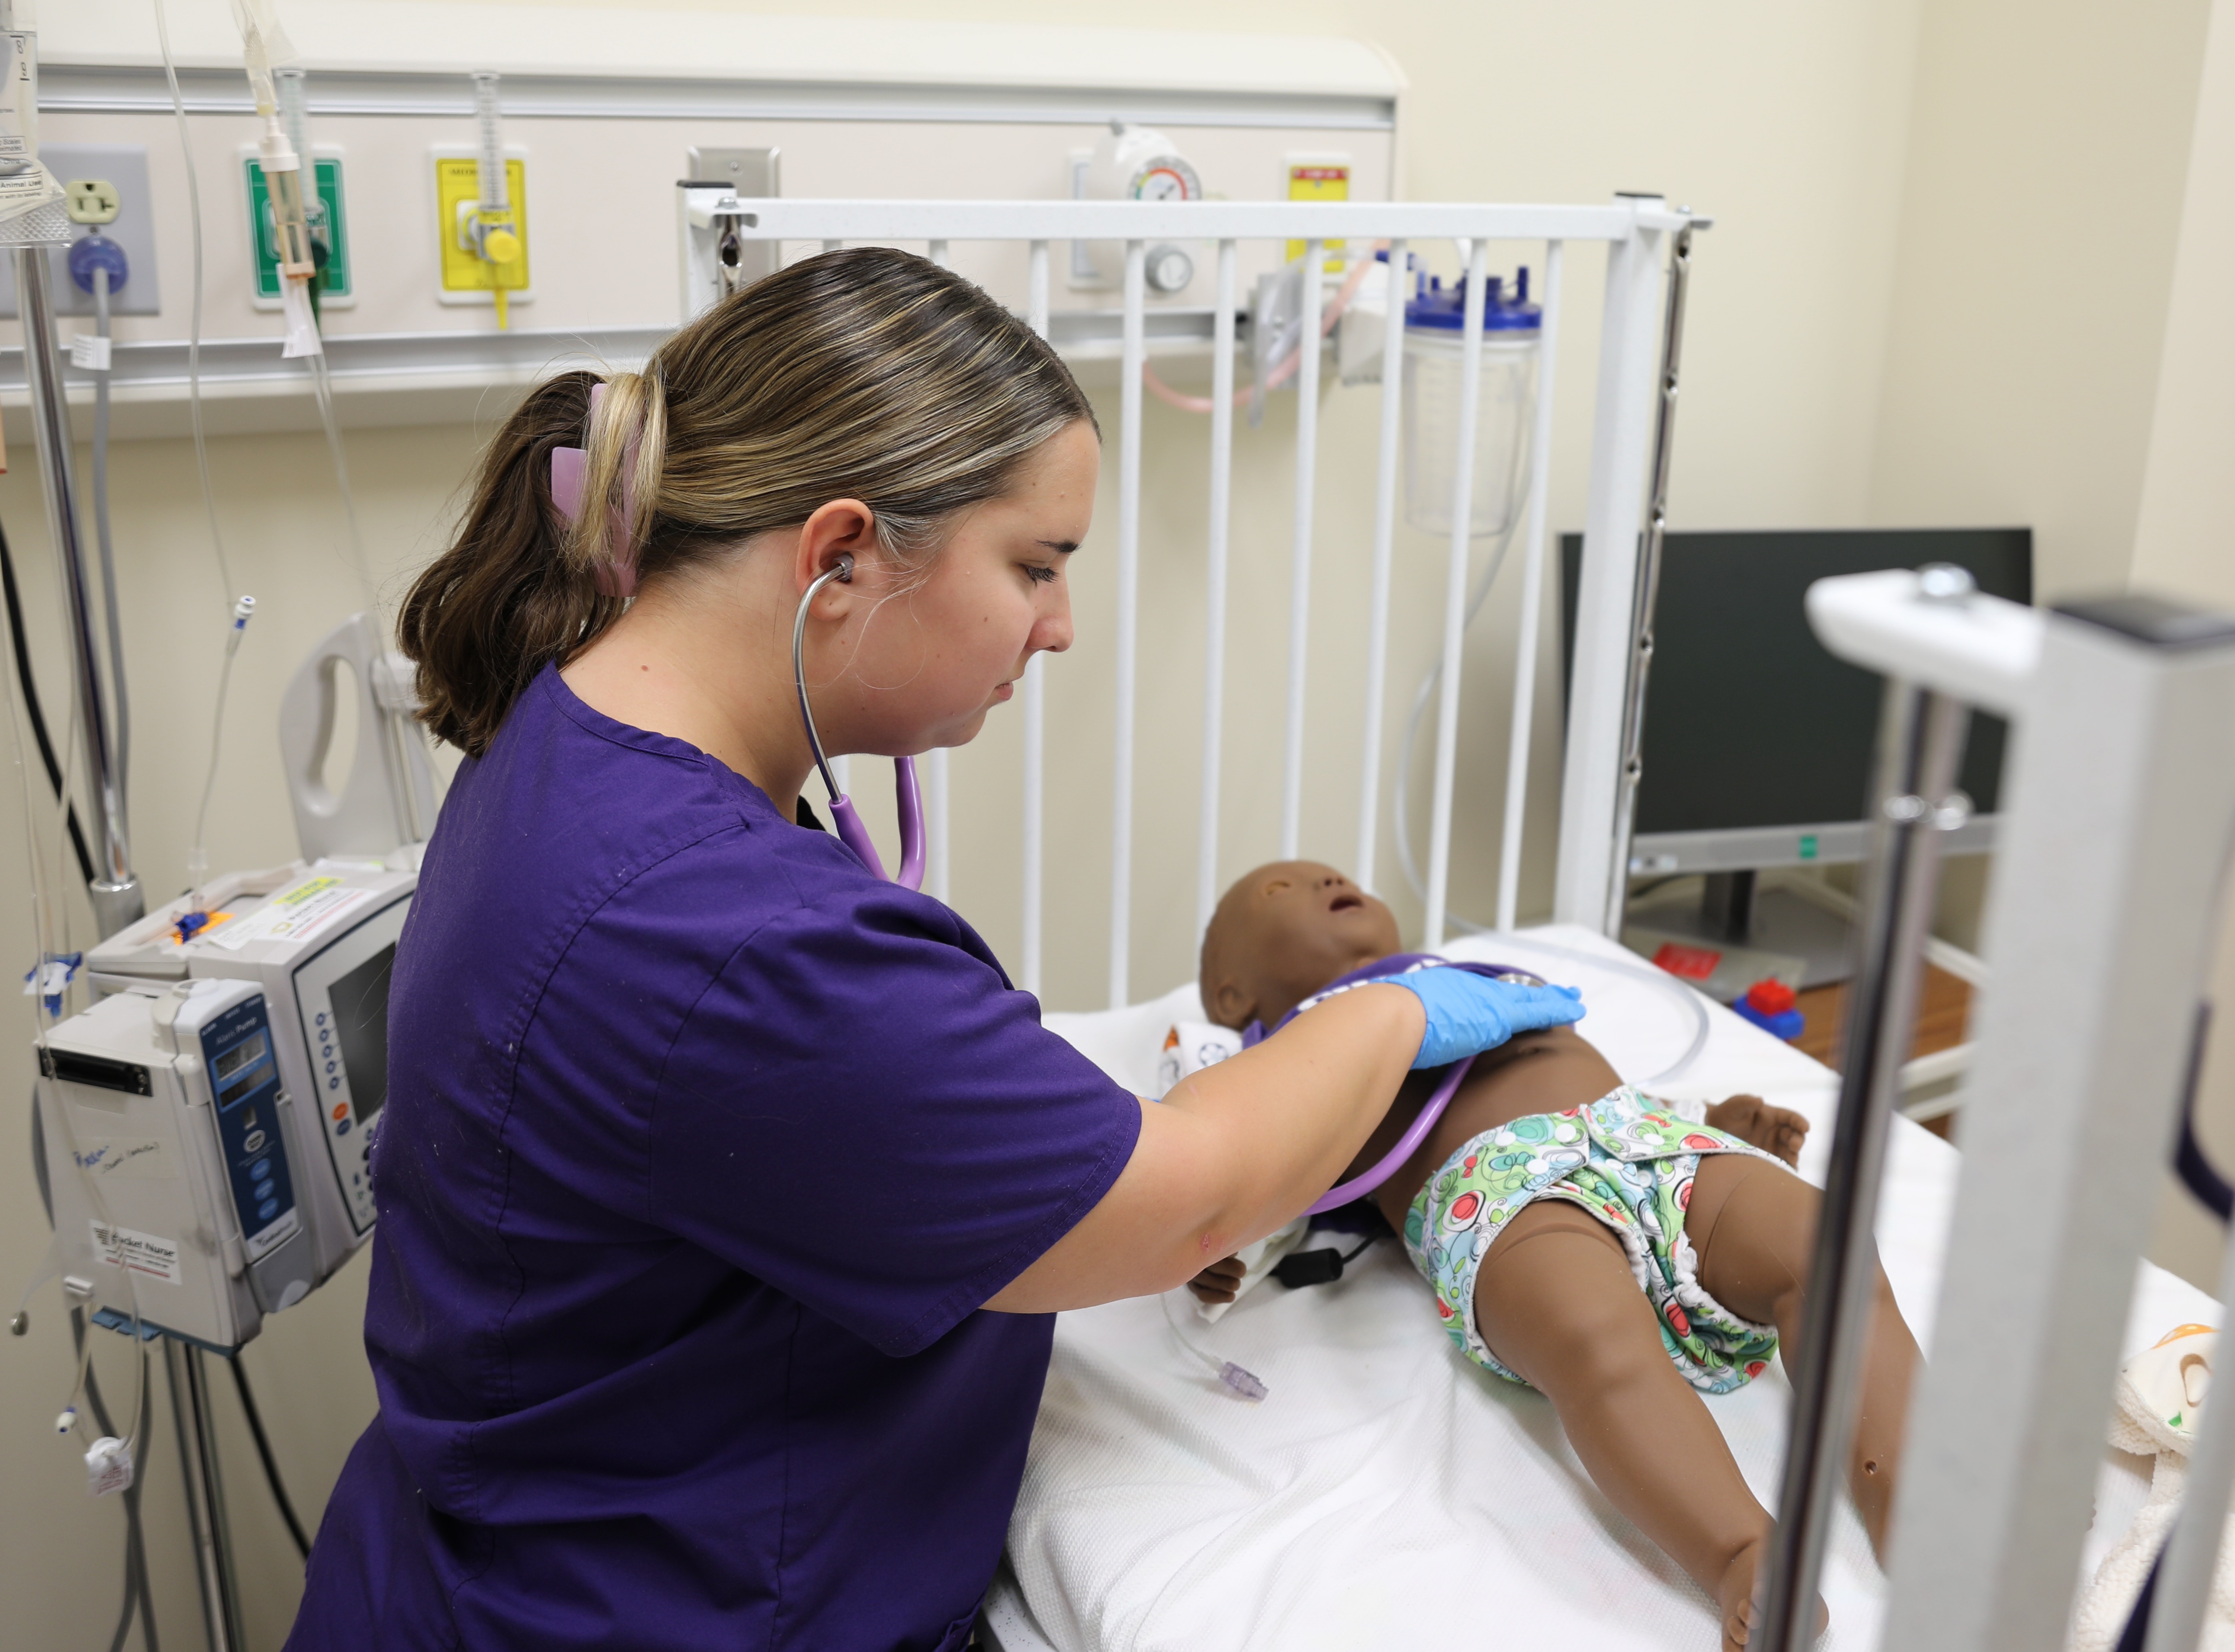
point(1635, 233)
point(1159, 1511)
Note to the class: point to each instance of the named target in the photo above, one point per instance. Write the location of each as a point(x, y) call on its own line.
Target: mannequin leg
point(1754, 1228)
point(1556, 1302)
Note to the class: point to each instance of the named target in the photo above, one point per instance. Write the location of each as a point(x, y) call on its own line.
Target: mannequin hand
point(1219, 1283)
point(1469, 1013)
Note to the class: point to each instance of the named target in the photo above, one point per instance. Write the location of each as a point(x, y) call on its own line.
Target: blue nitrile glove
point(1470, 1013)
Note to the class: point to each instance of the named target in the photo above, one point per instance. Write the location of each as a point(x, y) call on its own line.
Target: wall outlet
point(122, 167)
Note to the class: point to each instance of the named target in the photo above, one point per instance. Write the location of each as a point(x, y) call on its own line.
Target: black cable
point(2211, 1188)
point(1322, 1267)
point(264, 1451)
point(31, 701)
point(2138, 1622)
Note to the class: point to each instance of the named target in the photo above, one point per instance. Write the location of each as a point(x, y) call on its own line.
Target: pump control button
point(253, 1142)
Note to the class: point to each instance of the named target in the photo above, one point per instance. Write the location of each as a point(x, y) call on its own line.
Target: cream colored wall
point(1794, 124)
point(2040, 208)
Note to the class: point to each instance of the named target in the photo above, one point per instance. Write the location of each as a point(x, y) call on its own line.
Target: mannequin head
point(1281, 933)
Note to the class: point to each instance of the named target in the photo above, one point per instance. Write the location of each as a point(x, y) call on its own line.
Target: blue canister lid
point(1438, 308)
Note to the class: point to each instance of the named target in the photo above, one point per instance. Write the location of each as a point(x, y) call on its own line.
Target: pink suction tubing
point(1407, 1144)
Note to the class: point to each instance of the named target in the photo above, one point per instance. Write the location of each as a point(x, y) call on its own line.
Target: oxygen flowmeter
point(168, 1151)
point(481, 197)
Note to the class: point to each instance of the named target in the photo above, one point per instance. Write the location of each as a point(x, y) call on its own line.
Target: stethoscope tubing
point(844, 816)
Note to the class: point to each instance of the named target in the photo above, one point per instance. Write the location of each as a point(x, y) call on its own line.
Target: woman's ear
point(843, 527)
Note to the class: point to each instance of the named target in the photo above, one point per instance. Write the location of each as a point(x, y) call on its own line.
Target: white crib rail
point(1634, 230)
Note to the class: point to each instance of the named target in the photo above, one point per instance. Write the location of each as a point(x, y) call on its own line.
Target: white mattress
point(1388, 1493)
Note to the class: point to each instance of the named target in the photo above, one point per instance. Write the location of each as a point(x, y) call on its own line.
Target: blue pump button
point(343, 1128)
point(333, 1084)
point(259, 1170)
point(269, 1209)
point(265, 1190)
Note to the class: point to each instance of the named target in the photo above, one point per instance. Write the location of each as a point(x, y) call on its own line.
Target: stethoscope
point(851, 832)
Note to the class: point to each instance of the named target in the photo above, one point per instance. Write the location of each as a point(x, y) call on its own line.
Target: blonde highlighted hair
point(865, 373)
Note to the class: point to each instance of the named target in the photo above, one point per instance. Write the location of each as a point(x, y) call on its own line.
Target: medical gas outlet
point(481, 215)
point(1132, 163)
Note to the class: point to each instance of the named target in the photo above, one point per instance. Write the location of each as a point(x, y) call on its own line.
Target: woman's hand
point(1470, 1013)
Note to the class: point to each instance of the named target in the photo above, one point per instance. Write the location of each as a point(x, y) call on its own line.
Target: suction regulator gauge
point(1164, 178)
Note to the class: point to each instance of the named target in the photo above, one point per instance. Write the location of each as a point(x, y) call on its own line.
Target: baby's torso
point(1546, 1072)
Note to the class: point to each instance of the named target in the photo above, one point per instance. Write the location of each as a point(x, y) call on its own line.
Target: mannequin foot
point(1735, 1595)
point(1753, 1121)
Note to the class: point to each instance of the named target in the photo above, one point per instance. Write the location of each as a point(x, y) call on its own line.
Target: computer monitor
point(1758, 744)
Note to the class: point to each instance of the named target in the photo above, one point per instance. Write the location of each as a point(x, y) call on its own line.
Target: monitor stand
point(1733, 910)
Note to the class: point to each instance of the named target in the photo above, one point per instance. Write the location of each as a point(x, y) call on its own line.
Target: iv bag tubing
point(851, 832)
point(116, 893)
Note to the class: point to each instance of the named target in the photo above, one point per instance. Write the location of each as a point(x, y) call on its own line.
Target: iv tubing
point(194, 322)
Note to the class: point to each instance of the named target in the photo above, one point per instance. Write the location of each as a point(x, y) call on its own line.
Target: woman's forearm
point(1233, 1153)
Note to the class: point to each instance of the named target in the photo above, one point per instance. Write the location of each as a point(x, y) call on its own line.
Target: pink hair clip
point(570, 468)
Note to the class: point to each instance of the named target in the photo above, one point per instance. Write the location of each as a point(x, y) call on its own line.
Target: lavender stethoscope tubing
point(851, 832)
point(1407, 1144)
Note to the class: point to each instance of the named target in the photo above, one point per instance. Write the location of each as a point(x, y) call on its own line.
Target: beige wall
point(1887, 328)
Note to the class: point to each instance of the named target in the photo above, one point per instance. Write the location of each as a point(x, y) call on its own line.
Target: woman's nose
point(1053, 633)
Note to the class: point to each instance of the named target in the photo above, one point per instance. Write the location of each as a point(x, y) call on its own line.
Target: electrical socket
point(123, 167)
point(91, 200)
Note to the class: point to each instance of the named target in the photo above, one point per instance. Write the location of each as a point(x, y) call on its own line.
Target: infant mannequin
point(1615, 1286)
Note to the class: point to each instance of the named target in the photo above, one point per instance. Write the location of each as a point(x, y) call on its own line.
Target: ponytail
point(867, 373)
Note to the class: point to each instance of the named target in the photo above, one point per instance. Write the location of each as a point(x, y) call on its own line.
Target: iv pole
point(116, 893)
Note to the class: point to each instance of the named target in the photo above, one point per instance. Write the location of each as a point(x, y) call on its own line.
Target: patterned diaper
point(1627, 1160)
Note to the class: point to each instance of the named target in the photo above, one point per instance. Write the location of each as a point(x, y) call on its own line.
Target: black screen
point(360, 1002)
point(1748, 720)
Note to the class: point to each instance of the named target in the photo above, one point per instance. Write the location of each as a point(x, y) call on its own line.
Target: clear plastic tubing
point(1510, 330)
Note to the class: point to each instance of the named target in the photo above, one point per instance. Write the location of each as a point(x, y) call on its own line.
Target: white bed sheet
point(1387, 1491)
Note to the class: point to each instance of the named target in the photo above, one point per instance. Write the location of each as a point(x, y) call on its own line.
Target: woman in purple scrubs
point(726, 1191)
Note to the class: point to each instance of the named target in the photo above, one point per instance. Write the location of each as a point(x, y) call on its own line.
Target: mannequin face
point(1281, 933)
point(916, 660)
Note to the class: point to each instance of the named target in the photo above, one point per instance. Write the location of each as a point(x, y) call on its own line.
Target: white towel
point(2155, 1414)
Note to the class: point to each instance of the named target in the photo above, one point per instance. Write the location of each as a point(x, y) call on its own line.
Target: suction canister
point(1434, 372)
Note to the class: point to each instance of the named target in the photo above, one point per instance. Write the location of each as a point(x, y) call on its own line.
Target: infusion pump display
point(342, 996)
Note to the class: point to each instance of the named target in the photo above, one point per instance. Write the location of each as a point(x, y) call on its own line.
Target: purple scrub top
point(701, 1149)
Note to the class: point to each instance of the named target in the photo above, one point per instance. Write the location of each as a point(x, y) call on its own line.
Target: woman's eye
point(1038, 574)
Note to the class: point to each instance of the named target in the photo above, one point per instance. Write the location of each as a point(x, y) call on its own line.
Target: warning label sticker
point(143, 1253)
point(293, 914)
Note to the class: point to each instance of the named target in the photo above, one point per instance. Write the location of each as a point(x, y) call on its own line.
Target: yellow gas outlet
point(481, 256)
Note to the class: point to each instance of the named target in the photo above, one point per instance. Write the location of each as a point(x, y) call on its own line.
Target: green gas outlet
point(333, 233)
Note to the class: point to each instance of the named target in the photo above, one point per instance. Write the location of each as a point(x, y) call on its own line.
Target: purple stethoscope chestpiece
point(844, 816)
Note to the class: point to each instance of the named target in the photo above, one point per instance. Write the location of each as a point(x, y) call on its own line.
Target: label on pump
point(143, 1253)
point(293, 914)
